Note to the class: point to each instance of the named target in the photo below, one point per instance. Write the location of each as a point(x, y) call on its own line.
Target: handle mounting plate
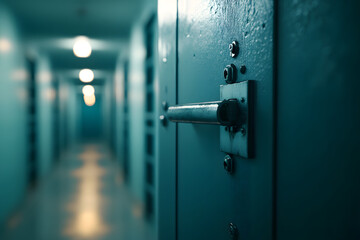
point(238, 140)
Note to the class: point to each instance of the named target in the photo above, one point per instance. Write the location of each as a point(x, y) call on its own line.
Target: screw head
point(243, 69)
point(234, 49)
point(163, 120)
point(229, 164)
point(230, 73)
point(243, 131)
point(165, 105)
point(234, 232)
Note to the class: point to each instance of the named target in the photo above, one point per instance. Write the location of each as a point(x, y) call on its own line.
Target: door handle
point(233, 113)
point(224, 113)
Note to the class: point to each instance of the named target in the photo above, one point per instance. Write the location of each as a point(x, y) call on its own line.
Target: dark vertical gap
point(125, 122)
point(176, 127)
point(275, 114)
point(149, 144)
point(56, 128)
point(149, 137)
point(81, 118)
point(32, 156)
point(113, 118)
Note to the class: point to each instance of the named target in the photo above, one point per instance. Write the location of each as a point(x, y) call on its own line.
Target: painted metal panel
point(208, 198)
point(166, 167)
point(318, 120)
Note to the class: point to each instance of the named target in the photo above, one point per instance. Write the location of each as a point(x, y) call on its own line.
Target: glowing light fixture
point(82, 47)
point(86, 75)
point(5, 45)
point(88, 90)
point(89, 100)
point(49, 94)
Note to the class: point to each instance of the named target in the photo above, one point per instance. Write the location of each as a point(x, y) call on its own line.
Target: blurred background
point(64, 70)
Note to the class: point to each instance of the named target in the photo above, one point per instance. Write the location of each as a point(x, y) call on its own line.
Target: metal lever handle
point(225, 113)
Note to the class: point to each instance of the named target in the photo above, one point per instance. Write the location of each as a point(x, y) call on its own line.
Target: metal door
point(198, 198)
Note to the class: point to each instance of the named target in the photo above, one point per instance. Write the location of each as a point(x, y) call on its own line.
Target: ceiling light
point(86, 75)
point(88, 90)
point(90, 100)
point(82, 47)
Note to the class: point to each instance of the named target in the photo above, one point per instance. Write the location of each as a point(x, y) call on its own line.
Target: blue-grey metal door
point(198, 198)
point(302, 180)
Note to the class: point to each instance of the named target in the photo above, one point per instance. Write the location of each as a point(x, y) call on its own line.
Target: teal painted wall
point(136, 111)
point(13, 116)
point(136, 116)
point(106, 103)
point(63, 96)
point(91, 120)
point(120, 115)
point(73, 118)
point(69, 113)
point(45, 117)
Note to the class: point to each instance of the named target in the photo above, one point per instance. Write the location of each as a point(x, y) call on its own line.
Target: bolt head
point(163, 120)
point(228, 164)
point(230, 73)
point(234, 49)
point(231, 47)
point(165, 105)
point(243, 131)
point(234, 233)
point(243, 69)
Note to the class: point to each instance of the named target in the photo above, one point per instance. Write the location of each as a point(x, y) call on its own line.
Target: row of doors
point(293, 186)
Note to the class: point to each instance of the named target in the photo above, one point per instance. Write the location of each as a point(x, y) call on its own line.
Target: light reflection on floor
point(85, 198)
point(86, 207)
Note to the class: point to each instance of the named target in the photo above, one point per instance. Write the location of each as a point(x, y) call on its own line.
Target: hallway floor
point(83, 198)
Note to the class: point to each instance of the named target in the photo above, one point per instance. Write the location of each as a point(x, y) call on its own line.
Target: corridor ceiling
point(51, 25)
point(94, 18)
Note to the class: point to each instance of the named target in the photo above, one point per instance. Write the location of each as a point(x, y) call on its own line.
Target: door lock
point(232, 113)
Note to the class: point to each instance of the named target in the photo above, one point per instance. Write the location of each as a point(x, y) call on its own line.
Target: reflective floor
point(84, 198)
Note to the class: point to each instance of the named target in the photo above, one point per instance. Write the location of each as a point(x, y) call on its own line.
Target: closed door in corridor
point(215, 51)
point(283, 164)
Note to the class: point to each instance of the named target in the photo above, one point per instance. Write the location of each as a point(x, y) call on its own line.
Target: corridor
point(83, 198)
point(179, 120)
